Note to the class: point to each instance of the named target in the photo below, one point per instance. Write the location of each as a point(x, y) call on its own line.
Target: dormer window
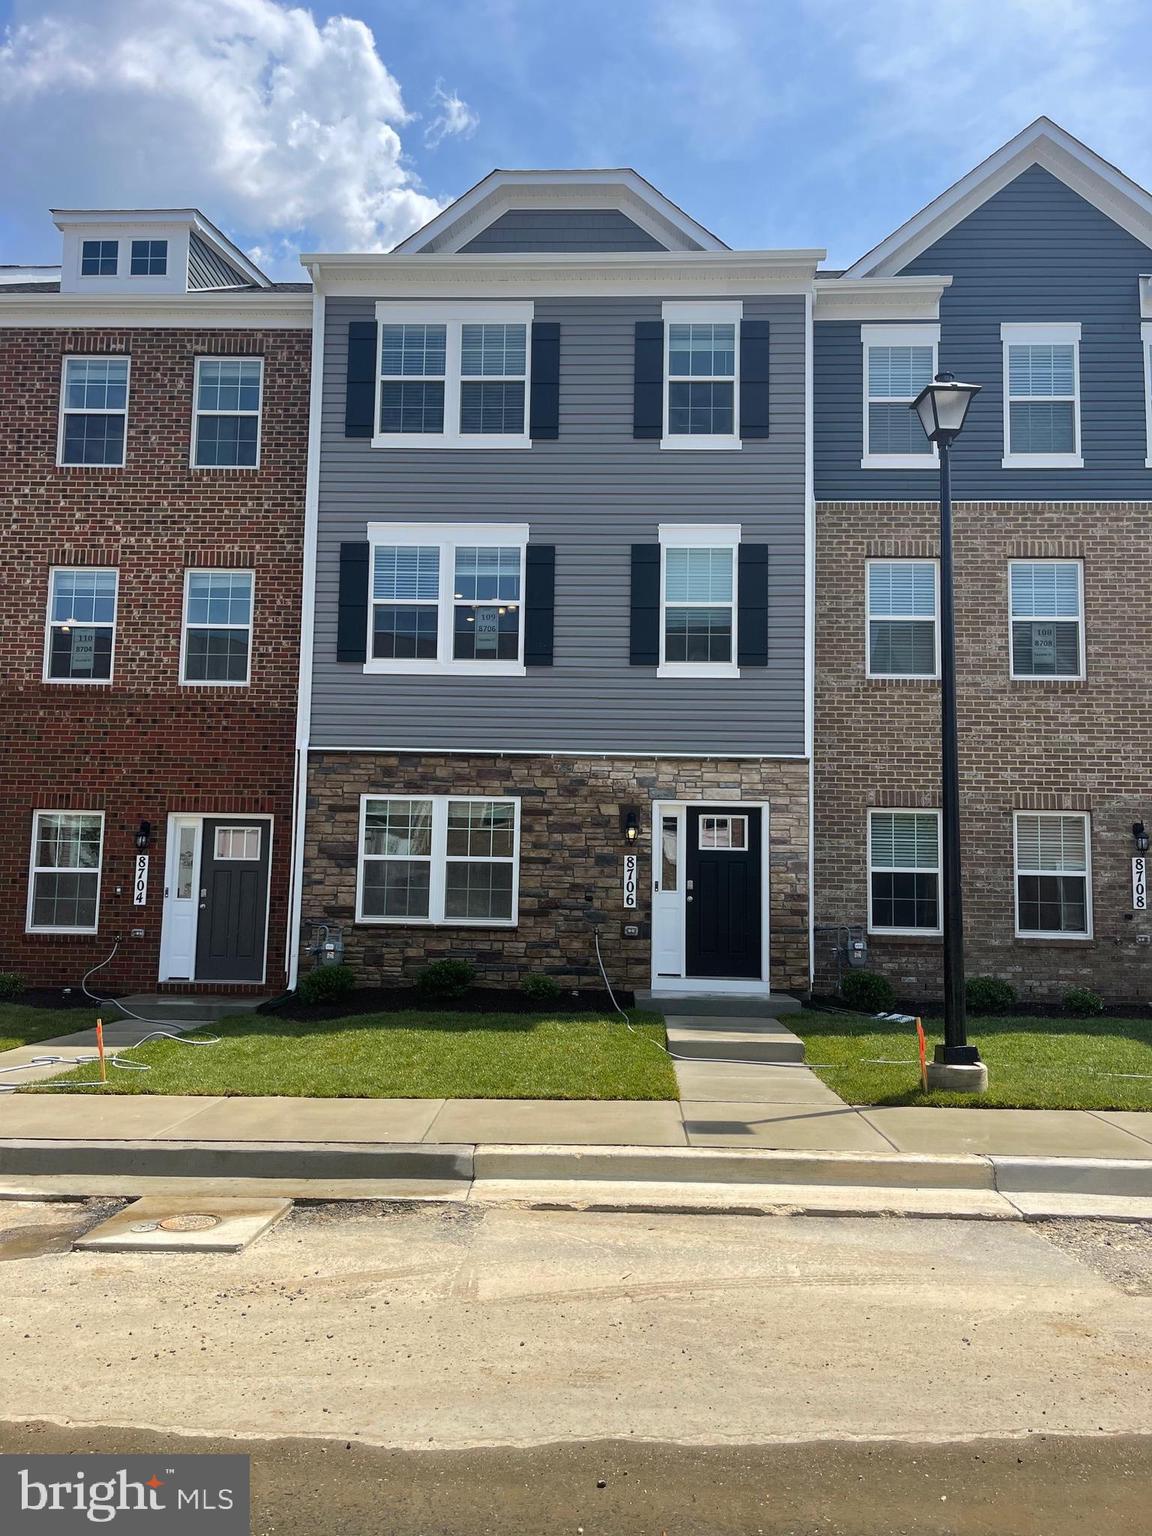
point(149, 258)
point(99, 258)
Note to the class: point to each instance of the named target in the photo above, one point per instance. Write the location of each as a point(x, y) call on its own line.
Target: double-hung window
point(438, 859)
point(447, 595)
point(1047, 628)
point(149, 258)
point(701, 372)
point(698, 600)
point(453, 375)
point(1146, 346)
point(898, 361)
point(903, 635)
point(217, 627)
point(904, 871)
point(64, 879)
point(93, 411)
point(1042, 396)
point(226, 433)
point(81, 624)
point(99, 258)
point(1053, 875)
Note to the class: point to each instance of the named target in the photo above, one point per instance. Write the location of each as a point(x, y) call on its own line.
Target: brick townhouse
point(152, 469)
point(1028, 278)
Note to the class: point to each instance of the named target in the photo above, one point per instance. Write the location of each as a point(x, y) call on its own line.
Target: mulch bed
point(406, 999)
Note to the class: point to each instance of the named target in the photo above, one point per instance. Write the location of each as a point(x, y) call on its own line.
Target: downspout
point(307, 632)
point(810, 616)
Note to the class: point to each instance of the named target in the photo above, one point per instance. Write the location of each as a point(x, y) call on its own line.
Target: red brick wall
point(142, 746)
point(1034, 745)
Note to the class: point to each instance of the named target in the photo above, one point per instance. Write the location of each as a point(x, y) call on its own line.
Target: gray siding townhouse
point(560, 558)
point(1028, 278)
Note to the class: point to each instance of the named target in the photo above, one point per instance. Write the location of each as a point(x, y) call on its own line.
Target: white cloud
point(454, 118)
point(272, 123)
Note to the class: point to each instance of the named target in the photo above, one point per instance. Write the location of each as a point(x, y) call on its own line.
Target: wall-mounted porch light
point(1140, 837)
point(143, 835)
point(630, 824)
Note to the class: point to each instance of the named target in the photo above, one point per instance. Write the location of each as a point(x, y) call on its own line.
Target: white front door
point(668, 892)
point(181, 899)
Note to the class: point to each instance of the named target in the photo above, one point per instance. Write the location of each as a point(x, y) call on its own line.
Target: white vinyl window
point(1146, 345)
point(1053, 875)
point(698, 597)
point(702, 374)
point(81, 628)
point(93, 412)
point(226, 432)
point(447, 596)
point(898, 361)
point(903, 628)
point(217, 639)
point(1041, 396)
point(453, 375)
point(64, 877)
point(1046, 620)
point(904, 872)
point(438, 859)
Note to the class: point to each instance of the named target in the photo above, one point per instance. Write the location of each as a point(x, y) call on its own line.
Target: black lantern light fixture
point(143, 836)
point(630, 824)
point(1140, 837)
point(942, 406)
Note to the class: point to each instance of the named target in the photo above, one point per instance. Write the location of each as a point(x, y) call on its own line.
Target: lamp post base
point(958, 1076)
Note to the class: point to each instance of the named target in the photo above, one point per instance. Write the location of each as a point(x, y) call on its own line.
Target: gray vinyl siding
point(1034, 252)
point(563, 229)
point(208, 270)
point(593, 493)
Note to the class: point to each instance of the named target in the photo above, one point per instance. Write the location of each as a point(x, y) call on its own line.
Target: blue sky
point(774, 122)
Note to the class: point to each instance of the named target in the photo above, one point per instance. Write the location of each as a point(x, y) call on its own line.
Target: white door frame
point(171, 845)
point(741, 986)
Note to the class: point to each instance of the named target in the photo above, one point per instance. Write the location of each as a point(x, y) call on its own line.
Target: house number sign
point(1140, 884)
point(140, 885)
point(630, 861)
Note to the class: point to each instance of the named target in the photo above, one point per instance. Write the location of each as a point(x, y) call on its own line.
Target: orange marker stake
point(100, 1049)
point(923, 1055)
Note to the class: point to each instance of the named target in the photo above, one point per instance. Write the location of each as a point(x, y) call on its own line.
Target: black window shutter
point(360, 400)
point(752, 606)
point(352, 607)
point(544, 410)
point(753, 379)
point(539, 603)
point(644, 649)
point(648, 384)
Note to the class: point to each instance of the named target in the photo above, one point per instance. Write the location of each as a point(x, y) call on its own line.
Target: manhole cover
point(188, 1223)
point(144, 1226)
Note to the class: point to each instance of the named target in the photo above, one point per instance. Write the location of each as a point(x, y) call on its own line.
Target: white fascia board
point(879, 298)
point(232, 311)
point(1042, 143)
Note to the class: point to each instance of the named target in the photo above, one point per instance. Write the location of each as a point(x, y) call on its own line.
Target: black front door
point(722, 894)
point(233, 900)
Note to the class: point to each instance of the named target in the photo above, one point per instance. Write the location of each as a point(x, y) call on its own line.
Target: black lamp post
point(942, 406)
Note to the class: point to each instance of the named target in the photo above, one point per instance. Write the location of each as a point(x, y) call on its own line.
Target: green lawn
point(28, 1026)
point(1033, 1063)
point(411, 1056)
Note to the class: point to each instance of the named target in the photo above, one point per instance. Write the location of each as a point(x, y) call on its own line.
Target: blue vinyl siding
point(1034, 252)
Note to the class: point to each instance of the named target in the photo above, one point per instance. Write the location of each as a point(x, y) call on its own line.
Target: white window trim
point(901, 677)
point(1061, 333)
point(896, 336)
point(706, 312)
point(447, 537)
point(84, 682)
point(909, 810)
point(150, 241)
point(454, 317)
point(206, 682)
point(92, 357)
point(1034, 933)
point(1146, 348)
point(87, 277)
point(197, 413)
point(34, 869)
point(438, 865)
point(1062, 677)
point(701, 536)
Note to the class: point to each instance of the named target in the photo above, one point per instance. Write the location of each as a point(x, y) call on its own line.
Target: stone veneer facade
point(570, 860)
point(1031, 745)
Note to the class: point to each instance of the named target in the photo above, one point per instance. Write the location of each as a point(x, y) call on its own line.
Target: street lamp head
point(942, 407)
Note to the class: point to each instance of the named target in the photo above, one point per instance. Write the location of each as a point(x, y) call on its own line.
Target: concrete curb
point(251, 1160)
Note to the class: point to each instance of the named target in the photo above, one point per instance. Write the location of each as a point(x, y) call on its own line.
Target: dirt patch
point(32, 1230)
point(1121, 1251)
point(412, 999)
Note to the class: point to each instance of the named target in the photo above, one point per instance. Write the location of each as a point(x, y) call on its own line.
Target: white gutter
point(307, 634)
